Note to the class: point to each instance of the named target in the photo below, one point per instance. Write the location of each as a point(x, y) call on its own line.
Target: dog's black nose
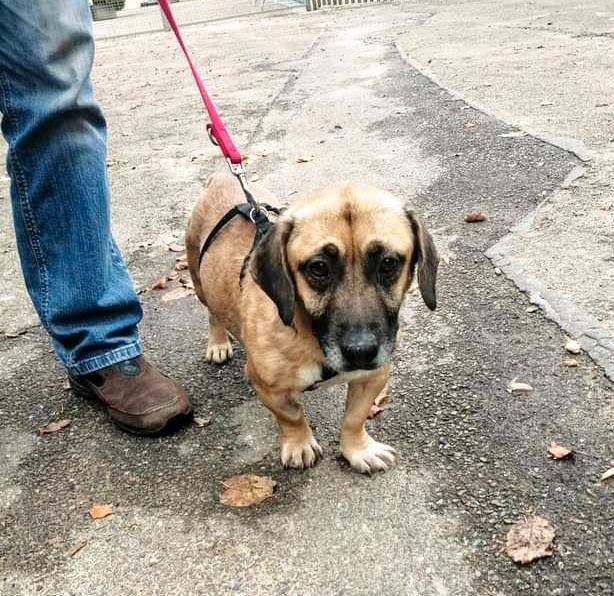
point(359, 348)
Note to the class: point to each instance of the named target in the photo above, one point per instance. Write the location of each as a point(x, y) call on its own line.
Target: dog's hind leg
point(364, 453)
point(219, 348)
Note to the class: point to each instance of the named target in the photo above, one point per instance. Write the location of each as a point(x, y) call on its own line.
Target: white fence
point(315, 4)
point(117, 18)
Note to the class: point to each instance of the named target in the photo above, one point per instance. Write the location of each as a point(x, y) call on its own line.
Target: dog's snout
point(359, 348)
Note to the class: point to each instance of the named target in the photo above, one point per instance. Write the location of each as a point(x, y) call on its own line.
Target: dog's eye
point(388, 266)
point(318, 269)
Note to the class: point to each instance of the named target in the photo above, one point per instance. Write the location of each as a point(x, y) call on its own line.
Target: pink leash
point(217, 131)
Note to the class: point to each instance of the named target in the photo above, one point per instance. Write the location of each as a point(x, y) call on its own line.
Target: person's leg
point(56, 133)
point(57, 163)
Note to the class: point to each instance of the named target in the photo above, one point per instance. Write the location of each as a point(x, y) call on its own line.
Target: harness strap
point(257, 216)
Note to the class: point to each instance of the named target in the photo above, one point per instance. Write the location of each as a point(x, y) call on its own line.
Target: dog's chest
point(315, 376)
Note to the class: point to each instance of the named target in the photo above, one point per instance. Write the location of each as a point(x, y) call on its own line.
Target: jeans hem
point(113, 357)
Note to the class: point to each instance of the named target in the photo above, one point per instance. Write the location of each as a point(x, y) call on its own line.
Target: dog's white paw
point(300, 454)
point(219, 353)
point(375, 457)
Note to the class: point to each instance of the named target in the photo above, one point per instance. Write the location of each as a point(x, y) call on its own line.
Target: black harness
point(258, 216)
point(252, 211)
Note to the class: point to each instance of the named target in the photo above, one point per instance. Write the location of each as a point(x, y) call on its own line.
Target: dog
point(316, 302)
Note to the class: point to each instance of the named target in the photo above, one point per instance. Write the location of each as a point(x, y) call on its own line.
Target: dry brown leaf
point(557, 451)
point(529, 539)
point(515, 386)
point(100, 510)
point(304, 158)
point(53, 427)
point(374, 411)
point(246, 490)
point(181, 265)
point(177, 294)
point(201, 422)
point(570, 362)
point(176, 247)
point(572, 346)
point(186, 281)
point(160, 284)
point(172, 276)
point(474, 216)
point(608, 474)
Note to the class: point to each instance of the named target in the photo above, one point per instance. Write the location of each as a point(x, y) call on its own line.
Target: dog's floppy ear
point(269, 267)
point(426, 258)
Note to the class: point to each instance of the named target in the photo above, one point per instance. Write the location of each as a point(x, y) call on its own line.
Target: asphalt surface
point(473, 457)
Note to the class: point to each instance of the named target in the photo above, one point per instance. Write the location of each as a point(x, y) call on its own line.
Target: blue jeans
point(56, 134)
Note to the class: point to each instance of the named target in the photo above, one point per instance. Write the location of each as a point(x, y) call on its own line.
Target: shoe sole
point(84, 392)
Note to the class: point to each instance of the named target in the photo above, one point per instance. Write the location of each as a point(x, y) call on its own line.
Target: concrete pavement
point(473, 457)
point(546, 68)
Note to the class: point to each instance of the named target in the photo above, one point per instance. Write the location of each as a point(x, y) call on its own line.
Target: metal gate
point(118, 18)
point(315, 4)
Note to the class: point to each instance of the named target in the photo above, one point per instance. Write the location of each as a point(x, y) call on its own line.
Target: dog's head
point(346, 255)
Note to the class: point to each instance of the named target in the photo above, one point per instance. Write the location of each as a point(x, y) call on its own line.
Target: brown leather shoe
point(139, 398)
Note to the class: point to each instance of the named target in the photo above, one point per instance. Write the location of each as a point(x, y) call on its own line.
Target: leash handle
point(216, 129)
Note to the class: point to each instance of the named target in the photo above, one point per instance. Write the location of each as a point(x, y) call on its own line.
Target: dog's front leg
point(364, 453)
point(299, 449)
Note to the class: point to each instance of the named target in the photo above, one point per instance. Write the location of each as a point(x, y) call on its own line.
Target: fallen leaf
point(572, 346)
point(532, 309)
point(473, 216)
point(176, 247)
point(14, 334)
point(304, 158)
point(160, 284)
point(246, 490)
point(515, 386)
point(608, 474)
point(469, 125)
point(76, 547)
point(382, 398)
point(557, 451)
point(607, 206)
point(570, 362)
point(201, 422)
point(177, 294)
point(374, 411)
point(172, 276)
point(181, 265)
point(529, 539)
point(513, 135)
point(53, 427)
point(100, 510)
point(186, 282)
point(66, 385)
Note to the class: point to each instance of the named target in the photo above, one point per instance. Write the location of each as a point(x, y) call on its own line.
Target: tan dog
point(316, 303)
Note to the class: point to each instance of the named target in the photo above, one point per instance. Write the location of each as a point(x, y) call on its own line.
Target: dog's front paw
point(296, 454)
point(375, 457)
point(219, 352)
